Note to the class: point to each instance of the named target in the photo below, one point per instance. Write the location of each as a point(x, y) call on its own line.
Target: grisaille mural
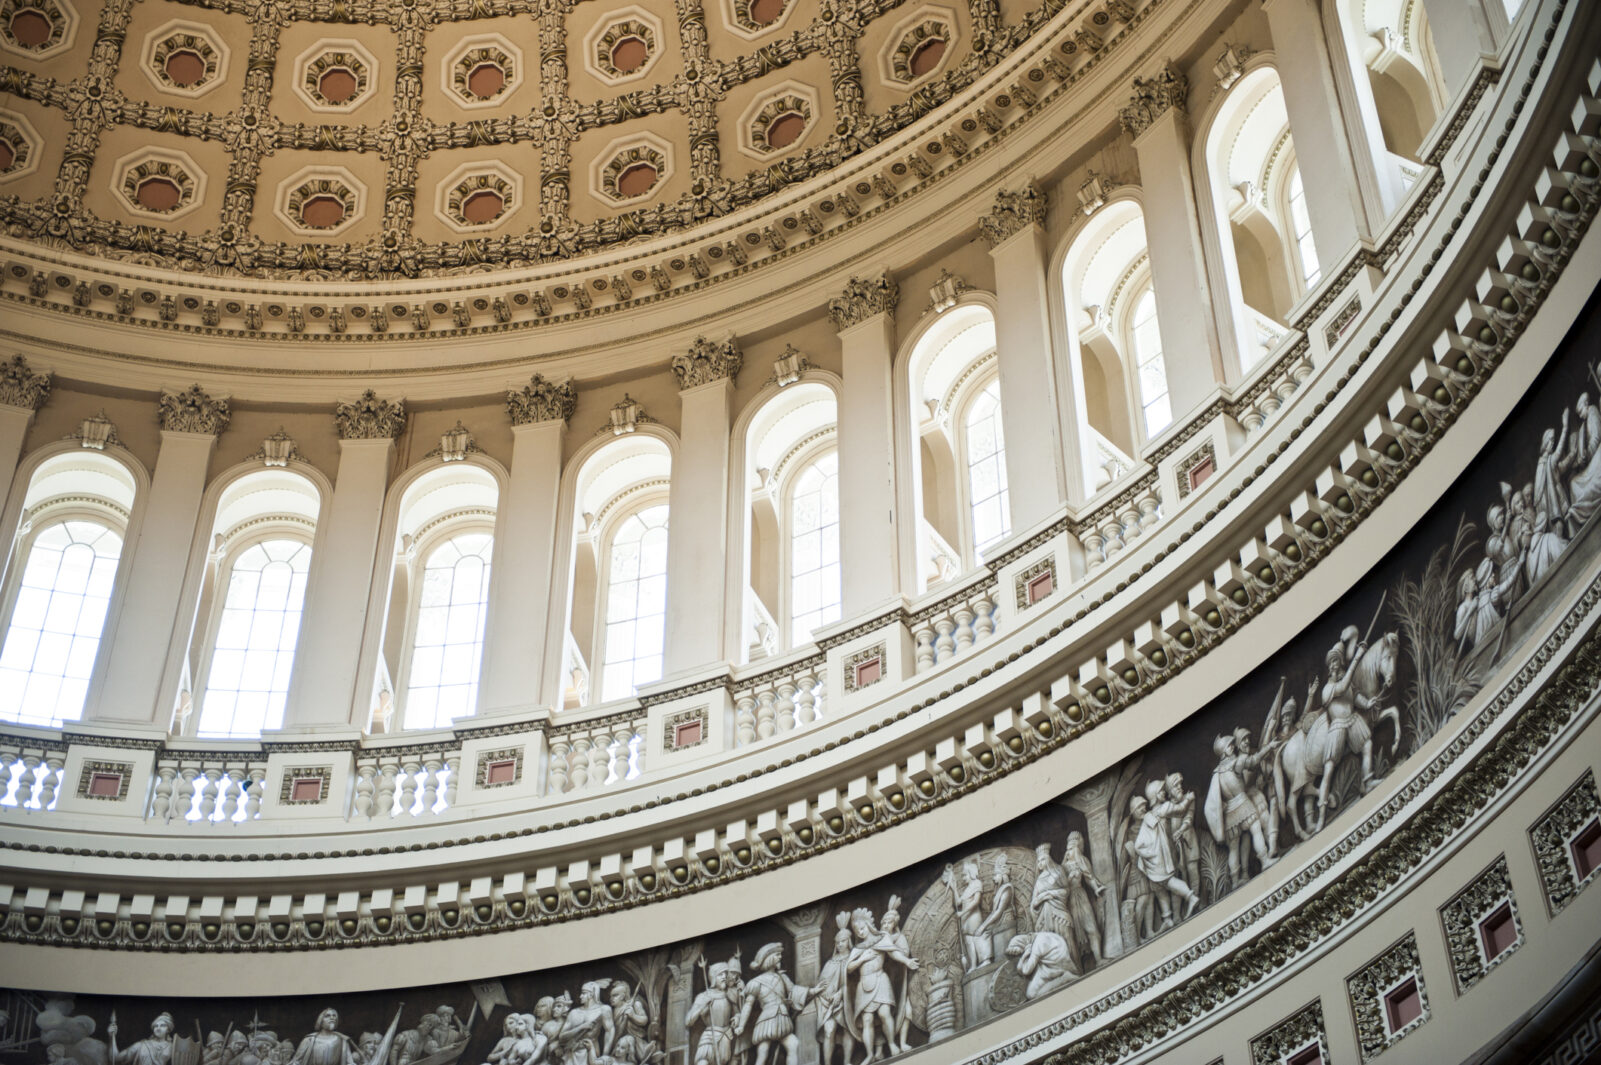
point(1030, 908)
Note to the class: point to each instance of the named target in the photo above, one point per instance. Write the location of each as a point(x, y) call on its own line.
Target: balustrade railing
point(1134, 507)
point(953, 625)
point(207, 787)
point(418, 780)
point(603, 752)
point(779, 700)
point(30, 774)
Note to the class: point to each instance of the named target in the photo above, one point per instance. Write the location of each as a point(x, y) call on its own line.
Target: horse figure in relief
point(1354, 697)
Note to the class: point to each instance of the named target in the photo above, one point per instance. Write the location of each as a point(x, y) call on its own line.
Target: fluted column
point(697, 538)
point(1464, 32)
point(1042, 469)
point(23, 390)
point(514, 671)
point(864, 315)
point(147, 623)
point(1191, 352)
point(323, 692)
point(1351, 182)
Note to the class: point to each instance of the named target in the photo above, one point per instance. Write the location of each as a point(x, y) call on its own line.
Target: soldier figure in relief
point(1154, 851)
point(587, 1031)
point(715, 1007)
point(1233, 813)
point(776, 999)
point(327, 1045)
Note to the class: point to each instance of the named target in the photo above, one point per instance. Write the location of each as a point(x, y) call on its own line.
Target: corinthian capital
point(1013, 212)
point(862, 299)
point(707, 361)
point(370, 418)
point(193, 411)
point(541, 401)
point(21, 386)
point(1152, 98)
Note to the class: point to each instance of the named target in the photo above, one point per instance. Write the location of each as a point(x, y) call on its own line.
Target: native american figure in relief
point(878, 969)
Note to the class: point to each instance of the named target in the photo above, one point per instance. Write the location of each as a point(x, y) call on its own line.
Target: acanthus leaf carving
point(862, 299)
point(1013, 212)
point(541, 401)
point(193, 411)
point(23, 386)
point(370, 418)
point(707, 361)
point(1153, 97)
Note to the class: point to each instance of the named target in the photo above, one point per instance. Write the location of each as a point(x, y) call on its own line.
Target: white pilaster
point(514, 646)
point(1043, 470)
point(697, 532)
point(868, 549)
point(14, 422)
point(1351, 182)
point(1464, 33)
point(1190, 349)
point(146, 624)
point(323, 690)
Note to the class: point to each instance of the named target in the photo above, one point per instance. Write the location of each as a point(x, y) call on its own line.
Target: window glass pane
point(448, 645)
point(1301, 223)
point(636, 603)
point(986, 470)
point(248, 678)
point(53, 634)
point(1152, 371)
point(814, 588)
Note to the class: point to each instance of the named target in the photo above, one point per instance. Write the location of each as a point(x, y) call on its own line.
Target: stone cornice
point(370, 418)
point(707, 361)
point(21, 385)
point(541, 401)
point(192, 411)
point(862, 299)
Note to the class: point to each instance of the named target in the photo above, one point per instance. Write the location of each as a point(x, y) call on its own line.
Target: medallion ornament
point(21, 385)
point(707, 361)
point(541, 401)
point(862, 299)
point(193, 411)
point(370, 418)
point(1153, 97)
point(1013, 212)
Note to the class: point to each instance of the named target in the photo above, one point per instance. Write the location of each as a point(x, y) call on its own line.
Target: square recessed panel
point(1403, 1005)
point(869, 672)
point(306, 789)
point(501, 772)
point(1481, 925)
point(1586, 847)
point(1499, 931)
point(1312, 1055)
point(105, 785)
point(1040, 587)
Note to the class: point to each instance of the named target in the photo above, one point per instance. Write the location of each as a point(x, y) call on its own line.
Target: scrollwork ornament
point(1153, 97)
point(862, 299)
point(1013, 212)
point(541, 401)
point(193, 411)
point(1553, 846)
point(21, 385)
point(707, 361)
point(1278, 1044)
point(370, 418)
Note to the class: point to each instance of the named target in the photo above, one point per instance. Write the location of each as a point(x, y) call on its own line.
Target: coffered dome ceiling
point(356, 139)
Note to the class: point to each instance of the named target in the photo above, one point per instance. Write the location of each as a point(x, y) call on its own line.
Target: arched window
point(1301, 227)
point(814, 582)
point(1152, 372)
point(986, 469)
point(448, 645)
point(247, 677)
point(636, 602)
point(53, 632)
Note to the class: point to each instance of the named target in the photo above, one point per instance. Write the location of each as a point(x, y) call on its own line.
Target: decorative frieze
point(1388, 999)
point(21, 385)
point(1035, 583)
point(370, 418)
point(1567, 843)
point(862, 299)
point(1291, 1038)
point(1195, 468)
point(541, 401)
point(685, 729)
point(707, 361)
point(193, 411)
point(305, 785)
point(499, 769)
point(1012, 212)
point(104, 781)
point(1153, 97)
point(1481, 925)
point(865, 667)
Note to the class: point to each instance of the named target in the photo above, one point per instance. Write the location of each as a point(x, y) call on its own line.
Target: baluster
point(1251, 419)
point(10, 766)
point(924, 635)
point(599, 759)
point(766, 713)
point(1112, 531)
point(1130, 519)
point(161, 801)
point(253, 794)
point(408, 785)
point(636, 750)
point(233, 793)
point(580, 775)
point(387, 773)
point(185, 804)
point(964, 627)
point(745, 718)
point(944, 646)
point(805, 698)
point(364, 789)
point(786, 705)
point(430, 783)
point(622, 739)
point(51, 780)
point(984, 618)
point(1150, 511)
point(1094, 548)
point(559, 749)
point(1284, 388)
point(30, 765)
point(453, 779)
point(208, 794)
point(1270, 403)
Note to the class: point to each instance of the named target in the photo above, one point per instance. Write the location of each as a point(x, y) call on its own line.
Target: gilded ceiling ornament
point(707, 361)
point(1153, 97)
point(541, 401)
point(193, 411)
point(370, 418)
point(21, 385)
point(862, 299)
point(1014, 211)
